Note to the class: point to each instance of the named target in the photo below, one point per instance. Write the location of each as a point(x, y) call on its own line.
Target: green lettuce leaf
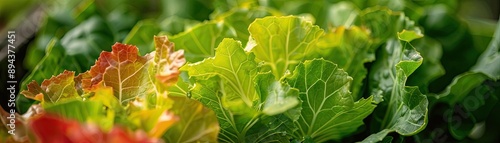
point(200, 41)
point(384, 23)
point(238, 19)
point(197, 123)
point(86, 110)
point(404, 108)
point(431, 67)
point(229, 84)
point(275, 96)
point(235, 67)
point(237, 127)
point(281, 42)
point(328, 111)
point(350, 48)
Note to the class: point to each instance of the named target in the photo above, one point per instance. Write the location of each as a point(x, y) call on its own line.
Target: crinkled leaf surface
point(236, 127)
point(229, 85)
point(283, 41)
point(121, 76)
point(55, 89)
point(431, 68)
point(166, 64)
point(350, 48)
point(55, 54)
point(329, 111)
point(235, 67)
point(404, 108)
point(123, 70)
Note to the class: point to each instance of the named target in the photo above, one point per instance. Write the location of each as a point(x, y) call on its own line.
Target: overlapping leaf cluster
point(341, 71)
point(286, 50)
point(121, 89)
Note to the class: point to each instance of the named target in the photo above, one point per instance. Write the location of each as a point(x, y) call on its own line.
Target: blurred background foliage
point(54, 35)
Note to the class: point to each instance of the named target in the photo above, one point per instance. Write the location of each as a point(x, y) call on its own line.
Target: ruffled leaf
point(350, 48)
point(328, 111)
point(55, 89)
point(123, 70)
point(228, 84)
point(235, 67)
point(167, 61)
point(282, 42)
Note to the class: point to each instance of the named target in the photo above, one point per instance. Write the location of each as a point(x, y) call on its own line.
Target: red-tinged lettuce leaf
point(123, 70)
point(51, 128)
point(55, 89)
point(131, 75)
point(167, 61)
point(126, 88)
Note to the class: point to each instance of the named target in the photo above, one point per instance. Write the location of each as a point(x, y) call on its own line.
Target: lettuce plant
point(263, 71)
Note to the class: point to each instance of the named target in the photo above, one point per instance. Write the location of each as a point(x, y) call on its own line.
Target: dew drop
point(188, 94)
